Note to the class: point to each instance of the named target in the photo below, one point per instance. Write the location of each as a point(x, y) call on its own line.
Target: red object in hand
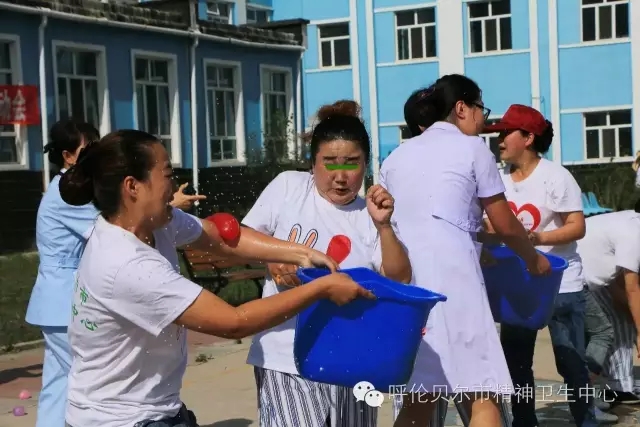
point(227, 225)
point(339, 248)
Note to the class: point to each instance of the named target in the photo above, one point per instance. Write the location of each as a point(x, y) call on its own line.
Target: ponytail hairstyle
point(102, 167)
point(434, 104)
point(340, 120)
point(68, 135)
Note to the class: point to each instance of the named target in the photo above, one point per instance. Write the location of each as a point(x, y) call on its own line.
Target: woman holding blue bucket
point(547, 200)
point(322, 210)
point(457, 178)
point(61, 233)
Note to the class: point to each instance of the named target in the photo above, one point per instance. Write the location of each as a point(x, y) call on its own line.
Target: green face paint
point(343, 167)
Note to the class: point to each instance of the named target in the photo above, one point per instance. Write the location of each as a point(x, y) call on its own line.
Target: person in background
point(61, 233)
point(321, 209)
point(548, 201)
point(442, 180)
point(610, 254)
point(635, 166)
point(130, 303)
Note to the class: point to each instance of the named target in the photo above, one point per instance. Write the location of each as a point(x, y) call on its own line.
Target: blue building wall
point(548, 66)
point(118, 45)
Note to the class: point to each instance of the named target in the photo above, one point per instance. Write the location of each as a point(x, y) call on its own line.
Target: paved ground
point(222, 390)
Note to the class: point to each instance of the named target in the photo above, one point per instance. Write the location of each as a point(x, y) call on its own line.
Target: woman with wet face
point(61, 231)
point(457, 178)
point(131, 305)
point(321, 209)
point(547, 199)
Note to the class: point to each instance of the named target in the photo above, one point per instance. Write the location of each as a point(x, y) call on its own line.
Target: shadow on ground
point(32, 371)
point(236, 422)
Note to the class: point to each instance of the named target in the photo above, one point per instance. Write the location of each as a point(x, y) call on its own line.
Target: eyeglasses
point(485, 111)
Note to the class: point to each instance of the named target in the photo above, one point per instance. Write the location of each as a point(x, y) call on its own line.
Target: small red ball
point(227, 225)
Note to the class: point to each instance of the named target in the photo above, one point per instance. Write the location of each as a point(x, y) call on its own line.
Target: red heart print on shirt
point(528, 214)
point(339, 248)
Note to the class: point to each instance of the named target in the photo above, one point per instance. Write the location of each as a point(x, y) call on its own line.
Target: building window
point(405, 133)
point(608, 134)
point(78, 88)
point(10, 153)
point(334, 45)
point(491, 139)
point(219, 11)
point(258, 16)
point(490, 26)
point(605, 19)
point(224, 119)
point(277, 106)
point(156, 100)
point(416, 34)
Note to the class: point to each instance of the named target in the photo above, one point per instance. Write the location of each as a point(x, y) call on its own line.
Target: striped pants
point(439, 415)
point(287, 400)
point(619, 366)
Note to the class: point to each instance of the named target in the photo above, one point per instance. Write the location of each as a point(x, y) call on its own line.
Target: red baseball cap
point(520, 117)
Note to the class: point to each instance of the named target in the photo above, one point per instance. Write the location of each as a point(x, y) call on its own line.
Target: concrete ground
point(221, 390)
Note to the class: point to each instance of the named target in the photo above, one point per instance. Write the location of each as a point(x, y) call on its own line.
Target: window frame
point(239, 107)
point(289, 92)
point(20, 131)
point(333, 51)
point(174, 98)
point(597, 6)
point(585, 129)
point(217, 18)
point(491, 16)
point(425, 58)
point(488, 136)
point(258, 8)
point(101, 77)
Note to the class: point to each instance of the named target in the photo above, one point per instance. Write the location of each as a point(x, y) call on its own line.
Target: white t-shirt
point(290, 208)
point(538, 202)
point(612, 242)
point(129, 356)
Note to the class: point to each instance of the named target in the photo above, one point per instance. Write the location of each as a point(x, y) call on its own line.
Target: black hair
point(67, 135)
point(433, 104)
point(102, 167)
point(340, 120)
point(637, 206)
point(541, 143)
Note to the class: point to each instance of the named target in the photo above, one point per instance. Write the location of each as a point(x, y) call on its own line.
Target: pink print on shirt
point(528, 214)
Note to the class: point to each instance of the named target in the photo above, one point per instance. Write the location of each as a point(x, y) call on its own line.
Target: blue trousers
point(568, 341)
point(52, 403)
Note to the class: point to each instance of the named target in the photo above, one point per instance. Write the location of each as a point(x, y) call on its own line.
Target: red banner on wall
point(19, 105)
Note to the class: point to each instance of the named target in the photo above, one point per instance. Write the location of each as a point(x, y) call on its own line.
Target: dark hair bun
point(76, 184)
point(339, 108)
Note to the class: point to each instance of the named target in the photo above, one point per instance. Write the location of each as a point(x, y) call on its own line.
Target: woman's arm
point(211, 315)
point(573, 229)
point(508, 228)
point(395, 261)
point(254, 245)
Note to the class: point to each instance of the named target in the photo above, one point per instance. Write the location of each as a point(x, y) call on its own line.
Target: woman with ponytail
point(61, 232)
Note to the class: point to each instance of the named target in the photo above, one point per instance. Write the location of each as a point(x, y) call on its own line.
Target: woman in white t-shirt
point(131, 305)
point(322, 210)
point(548, 201)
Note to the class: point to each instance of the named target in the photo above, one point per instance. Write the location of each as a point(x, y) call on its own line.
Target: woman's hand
point(185, 201)
point(540, 266)
point(341, 289)
point(314, 258)
point(284, 274)
point(380, 205)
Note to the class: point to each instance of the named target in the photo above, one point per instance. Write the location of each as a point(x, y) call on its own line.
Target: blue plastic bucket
point(515, 296)
point(366, 340)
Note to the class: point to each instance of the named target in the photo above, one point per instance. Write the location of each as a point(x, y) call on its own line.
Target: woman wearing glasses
point(458, 179)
